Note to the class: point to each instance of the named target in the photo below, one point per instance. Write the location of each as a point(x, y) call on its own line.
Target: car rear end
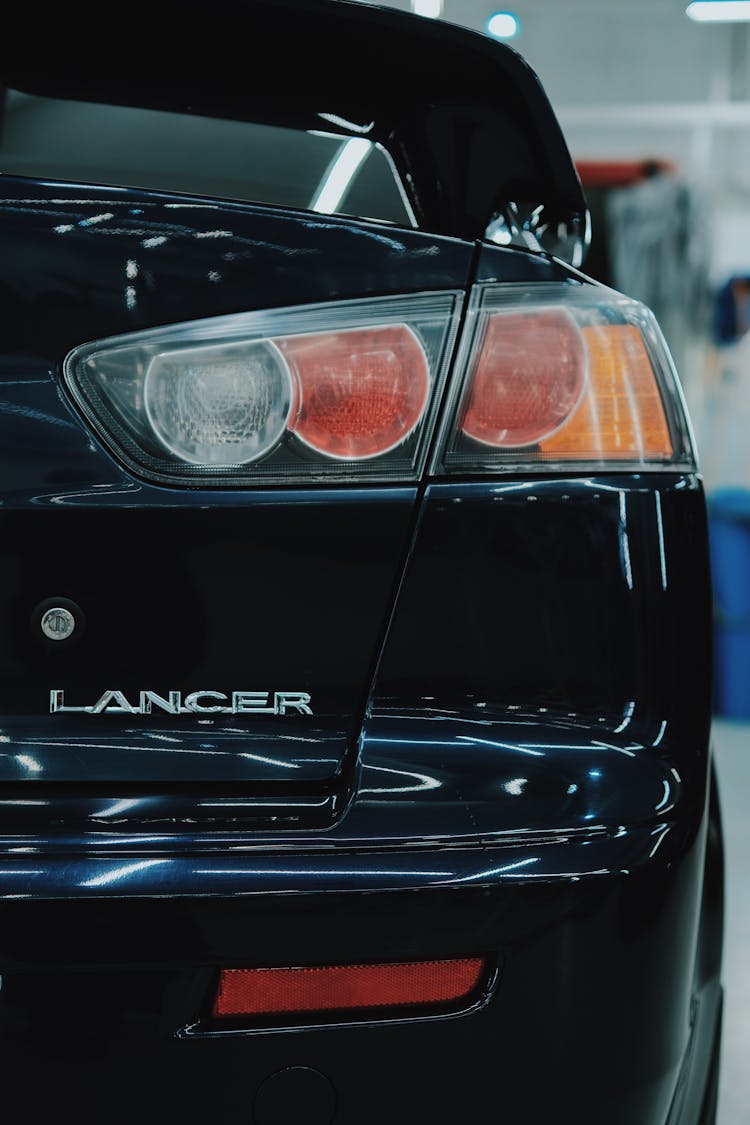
point(355, 606)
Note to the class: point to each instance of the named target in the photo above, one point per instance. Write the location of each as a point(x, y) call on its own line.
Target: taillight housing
point(546, 377)
point(561, 375)
point(338, 391)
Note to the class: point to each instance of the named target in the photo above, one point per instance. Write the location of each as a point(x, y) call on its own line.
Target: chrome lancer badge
point(114, 702)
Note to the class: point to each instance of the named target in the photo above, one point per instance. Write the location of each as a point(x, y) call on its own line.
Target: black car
point(355, 614)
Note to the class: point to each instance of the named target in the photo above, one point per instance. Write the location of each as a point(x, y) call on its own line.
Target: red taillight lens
point(361, 393)
point(528, 379)
point(327, 988)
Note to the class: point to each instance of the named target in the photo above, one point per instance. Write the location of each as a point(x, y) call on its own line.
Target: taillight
point(547, 376)
point(561, 374)
point(341, 391)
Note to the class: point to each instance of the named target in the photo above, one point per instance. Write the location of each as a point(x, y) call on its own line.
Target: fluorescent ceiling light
point(433, 9)
point(503, 25)
point(719, 11)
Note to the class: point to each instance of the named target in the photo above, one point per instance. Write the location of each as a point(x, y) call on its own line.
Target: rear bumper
point(591, 1019)
point(323, 867)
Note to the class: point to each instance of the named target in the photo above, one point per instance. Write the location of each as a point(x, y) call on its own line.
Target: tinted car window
point(53, 138)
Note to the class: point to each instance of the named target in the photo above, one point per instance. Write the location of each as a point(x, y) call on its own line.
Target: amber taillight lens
point(623, 415)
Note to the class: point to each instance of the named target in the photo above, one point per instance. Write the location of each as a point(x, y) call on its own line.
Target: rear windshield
point(50, 138)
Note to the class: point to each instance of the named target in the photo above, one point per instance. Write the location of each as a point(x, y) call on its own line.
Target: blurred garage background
point(654, 99)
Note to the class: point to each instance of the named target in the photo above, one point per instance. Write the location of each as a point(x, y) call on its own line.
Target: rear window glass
point(86, 142)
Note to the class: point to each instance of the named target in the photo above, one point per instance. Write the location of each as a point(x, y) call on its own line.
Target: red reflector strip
point(255, 992)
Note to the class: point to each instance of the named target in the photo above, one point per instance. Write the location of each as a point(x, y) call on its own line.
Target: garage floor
point(732, 743)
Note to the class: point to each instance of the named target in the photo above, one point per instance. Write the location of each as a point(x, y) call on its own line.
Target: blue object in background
point(731, 311)
point(729, 519)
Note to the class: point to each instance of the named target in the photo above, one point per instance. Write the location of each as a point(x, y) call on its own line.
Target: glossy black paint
point(560, 639)
point(535, 815)
point(504, 263)
point(214, 598)
point(511, 757)
point(143, 589)
point(64, 275)
point(566, 701)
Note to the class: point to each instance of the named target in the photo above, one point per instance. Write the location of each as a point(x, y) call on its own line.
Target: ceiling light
point(719, 11)
point(433, 9)
point(503, 25)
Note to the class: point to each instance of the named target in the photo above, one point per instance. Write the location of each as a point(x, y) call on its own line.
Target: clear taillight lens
point(337, 391)
point(219, 405)
point(557, 374)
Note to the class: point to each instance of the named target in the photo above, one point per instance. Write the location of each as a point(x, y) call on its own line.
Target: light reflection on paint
point(119, 873)
point(662, 831)
point(627, 717)
point(423, 781)
point(330, 872)
point(501, 745)
point(31, 765)
point(125, 805)
point(515, 787)
point(660, 533)
point(497, 870)
point(625, 542)
point(665, 799)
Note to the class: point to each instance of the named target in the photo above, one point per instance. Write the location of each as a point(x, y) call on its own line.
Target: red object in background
point(620, 173)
